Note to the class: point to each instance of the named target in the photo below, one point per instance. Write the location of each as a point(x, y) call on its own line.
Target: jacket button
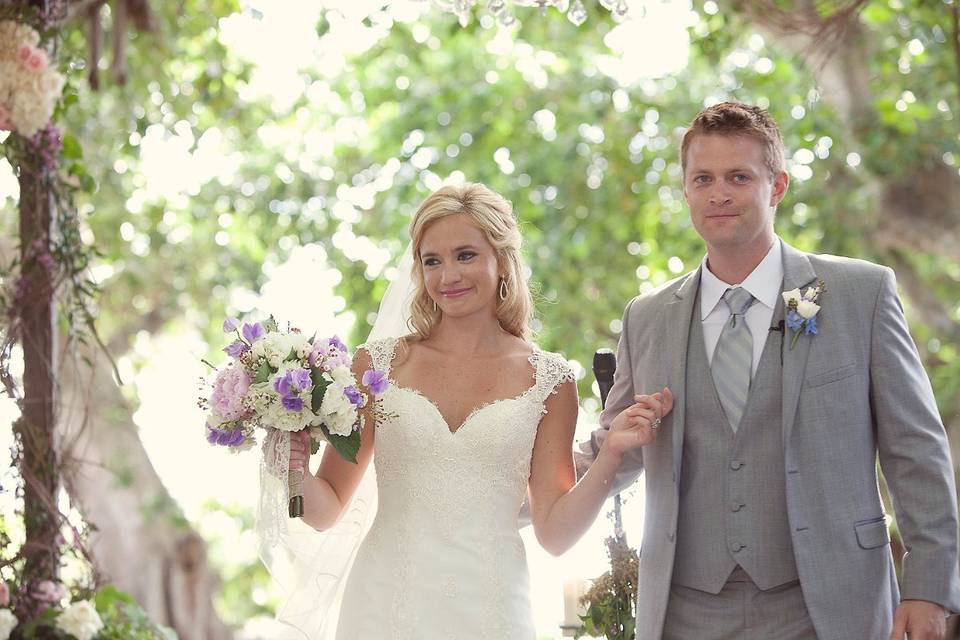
point(736, 464)
point(736, 506)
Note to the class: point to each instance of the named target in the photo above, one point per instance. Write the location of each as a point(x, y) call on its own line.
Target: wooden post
point(36, 428)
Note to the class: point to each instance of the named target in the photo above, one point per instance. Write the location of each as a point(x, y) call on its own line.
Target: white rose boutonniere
point(802, 310)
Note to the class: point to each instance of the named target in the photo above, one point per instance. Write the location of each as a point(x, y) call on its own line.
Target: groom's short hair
point(733, 119)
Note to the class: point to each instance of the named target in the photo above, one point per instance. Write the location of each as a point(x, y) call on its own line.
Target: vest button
point(736, 546)
point(736, 506)
point(736, 464)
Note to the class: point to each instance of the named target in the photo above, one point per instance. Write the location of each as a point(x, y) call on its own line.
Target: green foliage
point(611, 599)
point(122, 618)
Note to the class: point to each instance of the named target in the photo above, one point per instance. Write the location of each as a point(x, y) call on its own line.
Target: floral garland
point(29, 86)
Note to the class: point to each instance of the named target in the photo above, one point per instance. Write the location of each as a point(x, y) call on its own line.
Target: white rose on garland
point(80, 620)
point(8, 623)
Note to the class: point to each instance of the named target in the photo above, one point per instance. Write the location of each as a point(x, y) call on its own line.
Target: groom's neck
point(733, 264)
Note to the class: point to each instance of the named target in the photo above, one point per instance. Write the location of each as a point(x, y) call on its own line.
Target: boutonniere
point(802, 309)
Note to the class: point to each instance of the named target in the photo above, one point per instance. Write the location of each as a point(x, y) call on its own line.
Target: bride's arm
point(327, 494)
point(562, 509)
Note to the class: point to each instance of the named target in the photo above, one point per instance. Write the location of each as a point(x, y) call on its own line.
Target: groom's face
point(731, 194)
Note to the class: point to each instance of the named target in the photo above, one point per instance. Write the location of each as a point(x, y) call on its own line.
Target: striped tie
point(733, 359)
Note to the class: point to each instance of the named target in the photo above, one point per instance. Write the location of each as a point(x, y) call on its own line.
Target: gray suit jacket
point(854, 391)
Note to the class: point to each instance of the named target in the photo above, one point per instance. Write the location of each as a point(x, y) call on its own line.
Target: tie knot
point(738, 300)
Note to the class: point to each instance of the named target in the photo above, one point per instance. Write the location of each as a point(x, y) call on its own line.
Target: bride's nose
point(450, 274)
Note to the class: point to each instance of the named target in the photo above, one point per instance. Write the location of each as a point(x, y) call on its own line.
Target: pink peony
point(229, 389)
point(24, 53)
point(38, 61)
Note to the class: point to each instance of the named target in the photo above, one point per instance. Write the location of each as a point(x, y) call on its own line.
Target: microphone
point(604, 366)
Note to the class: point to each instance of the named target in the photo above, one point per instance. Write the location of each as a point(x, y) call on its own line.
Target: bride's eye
point(466, 255)
point(431, 262)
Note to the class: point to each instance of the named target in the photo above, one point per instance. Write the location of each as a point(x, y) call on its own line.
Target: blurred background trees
point(239, 140)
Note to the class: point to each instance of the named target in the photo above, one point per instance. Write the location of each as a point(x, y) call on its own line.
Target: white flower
point(343, 376)
point(810, 294)
point(336, 410)
point(791, 295)
point(807, 309)
point(80, 620)
point(8, 622)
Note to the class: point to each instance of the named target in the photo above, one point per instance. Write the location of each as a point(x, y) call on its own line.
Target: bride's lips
point(454, 293)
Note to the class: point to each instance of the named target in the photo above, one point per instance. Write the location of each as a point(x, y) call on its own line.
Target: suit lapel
point(798, 273)
point(677, 317)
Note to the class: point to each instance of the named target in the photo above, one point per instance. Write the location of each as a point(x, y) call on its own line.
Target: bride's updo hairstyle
point(493, 215)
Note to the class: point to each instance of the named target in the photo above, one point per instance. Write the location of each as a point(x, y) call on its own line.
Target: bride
point(476, 418)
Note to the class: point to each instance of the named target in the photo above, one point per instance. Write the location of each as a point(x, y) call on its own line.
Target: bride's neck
point(468, 335)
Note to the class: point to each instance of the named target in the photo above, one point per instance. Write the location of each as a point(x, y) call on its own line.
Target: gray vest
point(733, 507)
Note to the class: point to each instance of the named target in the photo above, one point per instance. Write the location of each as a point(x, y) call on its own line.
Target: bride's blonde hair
point(493, 215)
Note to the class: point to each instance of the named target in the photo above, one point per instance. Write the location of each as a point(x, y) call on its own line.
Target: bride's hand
point(638, 424)
point(300, 450)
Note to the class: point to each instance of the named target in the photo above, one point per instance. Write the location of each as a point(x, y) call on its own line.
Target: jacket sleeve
point(619, 398)
point(914, 456)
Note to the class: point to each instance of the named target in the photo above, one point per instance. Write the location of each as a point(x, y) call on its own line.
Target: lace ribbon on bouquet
point(311, 567)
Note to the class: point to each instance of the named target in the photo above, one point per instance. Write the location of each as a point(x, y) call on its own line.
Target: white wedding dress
point(443, 557)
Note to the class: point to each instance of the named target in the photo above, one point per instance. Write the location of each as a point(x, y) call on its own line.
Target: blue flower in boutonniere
point(802, 309)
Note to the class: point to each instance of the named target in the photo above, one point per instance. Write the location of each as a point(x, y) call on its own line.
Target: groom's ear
point(780, 183)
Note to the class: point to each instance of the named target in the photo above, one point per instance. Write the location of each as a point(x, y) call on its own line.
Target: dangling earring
point(503, 289)
point(434, 305)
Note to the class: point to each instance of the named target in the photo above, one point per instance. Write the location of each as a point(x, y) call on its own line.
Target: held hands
point(300, 450)
point(638, 424)
point(920, 620)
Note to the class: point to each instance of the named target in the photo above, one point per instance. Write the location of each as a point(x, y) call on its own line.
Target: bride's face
point(460, 268)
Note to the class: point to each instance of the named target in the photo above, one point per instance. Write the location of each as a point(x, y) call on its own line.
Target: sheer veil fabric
point(311, 567)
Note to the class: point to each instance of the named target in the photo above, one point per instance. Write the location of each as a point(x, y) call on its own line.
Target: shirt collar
point(763, 283)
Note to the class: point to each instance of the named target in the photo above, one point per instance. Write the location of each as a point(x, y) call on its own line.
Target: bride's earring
point(503, 289)
point(434, 305)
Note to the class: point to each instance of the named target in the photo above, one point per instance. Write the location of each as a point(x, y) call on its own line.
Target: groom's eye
point(701, 179)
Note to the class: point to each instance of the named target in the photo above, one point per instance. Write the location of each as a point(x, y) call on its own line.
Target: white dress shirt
point(763, 283)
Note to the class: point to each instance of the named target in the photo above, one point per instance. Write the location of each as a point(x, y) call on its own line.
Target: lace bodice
point(446, 525)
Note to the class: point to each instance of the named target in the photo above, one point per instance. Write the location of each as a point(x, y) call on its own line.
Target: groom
point(763, 517)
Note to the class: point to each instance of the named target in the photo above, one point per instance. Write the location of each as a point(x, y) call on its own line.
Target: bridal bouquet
point(283, 382)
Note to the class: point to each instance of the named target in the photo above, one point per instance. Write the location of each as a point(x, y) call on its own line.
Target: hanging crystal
point(620, 11)
point(561, 5)
point(577, 13)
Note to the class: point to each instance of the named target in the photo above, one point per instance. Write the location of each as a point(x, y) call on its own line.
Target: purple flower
point(230, 324)
point(236, 349)
point(811, 326)
point(292, 403)
point(281, 384)
point(337, 343)
point(225, 437)
point(253, 332)
point(300, 379)
point(354, 396)
point(376, 380)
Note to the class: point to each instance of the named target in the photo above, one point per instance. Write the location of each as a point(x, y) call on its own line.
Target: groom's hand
point(920, 620)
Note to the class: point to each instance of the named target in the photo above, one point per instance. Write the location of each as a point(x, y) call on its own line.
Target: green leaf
point(263, 373)
point(346, 446)
point(71, 148)
point(320, 385)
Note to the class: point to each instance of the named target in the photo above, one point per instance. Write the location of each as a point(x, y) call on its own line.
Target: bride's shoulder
point(552, 362)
